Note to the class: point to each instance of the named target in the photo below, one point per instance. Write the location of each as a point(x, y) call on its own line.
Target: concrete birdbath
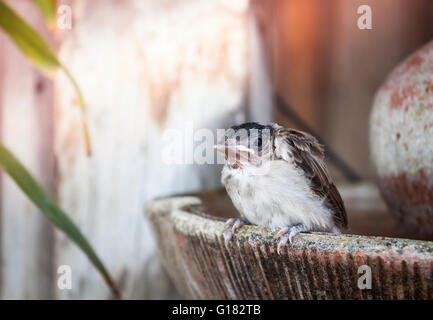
point(190, 234)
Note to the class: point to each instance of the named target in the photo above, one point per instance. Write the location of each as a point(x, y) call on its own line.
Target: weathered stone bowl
point(190, 234)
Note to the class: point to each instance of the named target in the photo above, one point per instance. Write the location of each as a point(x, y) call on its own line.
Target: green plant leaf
point(48, 9)
point(50, 209)
point(28, 40)
point(40, 53)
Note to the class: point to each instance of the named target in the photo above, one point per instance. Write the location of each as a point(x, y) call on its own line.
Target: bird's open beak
point(233, 149)
point(220, 147)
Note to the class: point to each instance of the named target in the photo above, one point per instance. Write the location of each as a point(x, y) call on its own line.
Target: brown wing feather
point(307, 154)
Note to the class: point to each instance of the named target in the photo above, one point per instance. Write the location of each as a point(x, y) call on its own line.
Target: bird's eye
point(259, 143)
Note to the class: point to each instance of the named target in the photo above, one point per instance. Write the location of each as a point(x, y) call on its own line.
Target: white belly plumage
point(277, 197)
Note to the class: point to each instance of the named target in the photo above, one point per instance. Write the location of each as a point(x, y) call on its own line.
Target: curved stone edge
point(316, 266)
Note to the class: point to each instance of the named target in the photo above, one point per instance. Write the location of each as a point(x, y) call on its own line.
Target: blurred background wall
point(26, 128)
point(328, 69)
point(148, 66)
point(145, 68)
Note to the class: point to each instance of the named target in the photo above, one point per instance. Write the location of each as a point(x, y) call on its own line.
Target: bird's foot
point(235, 225)
point(288, 233)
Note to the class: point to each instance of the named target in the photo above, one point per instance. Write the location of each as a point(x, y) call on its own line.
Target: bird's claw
point(283, 242)
point(229, 222)
point(288, 234)
point(283, 231)
point(236, 224)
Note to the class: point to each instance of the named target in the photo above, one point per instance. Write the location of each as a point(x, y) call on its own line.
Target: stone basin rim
point(189, 217)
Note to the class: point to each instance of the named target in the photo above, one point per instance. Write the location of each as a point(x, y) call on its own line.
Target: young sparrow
point(277, 178)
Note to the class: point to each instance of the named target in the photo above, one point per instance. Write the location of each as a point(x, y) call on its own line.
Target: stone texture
point(401, 139)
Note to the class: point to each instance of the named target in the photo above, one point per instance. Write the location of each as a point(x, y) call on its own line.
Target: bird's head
point(249, 144)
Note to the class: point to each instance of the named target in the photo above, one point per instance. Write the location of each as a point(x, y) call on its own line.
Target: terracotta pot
point(190, 234)
point(401, 140)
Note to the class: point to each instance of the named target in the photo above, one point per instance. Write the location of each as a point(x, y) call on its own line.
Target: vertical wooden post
point(26, 102)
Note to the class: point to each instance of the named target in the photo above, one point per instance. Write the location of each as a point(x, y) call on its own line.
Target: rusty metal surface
point(316, 266)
